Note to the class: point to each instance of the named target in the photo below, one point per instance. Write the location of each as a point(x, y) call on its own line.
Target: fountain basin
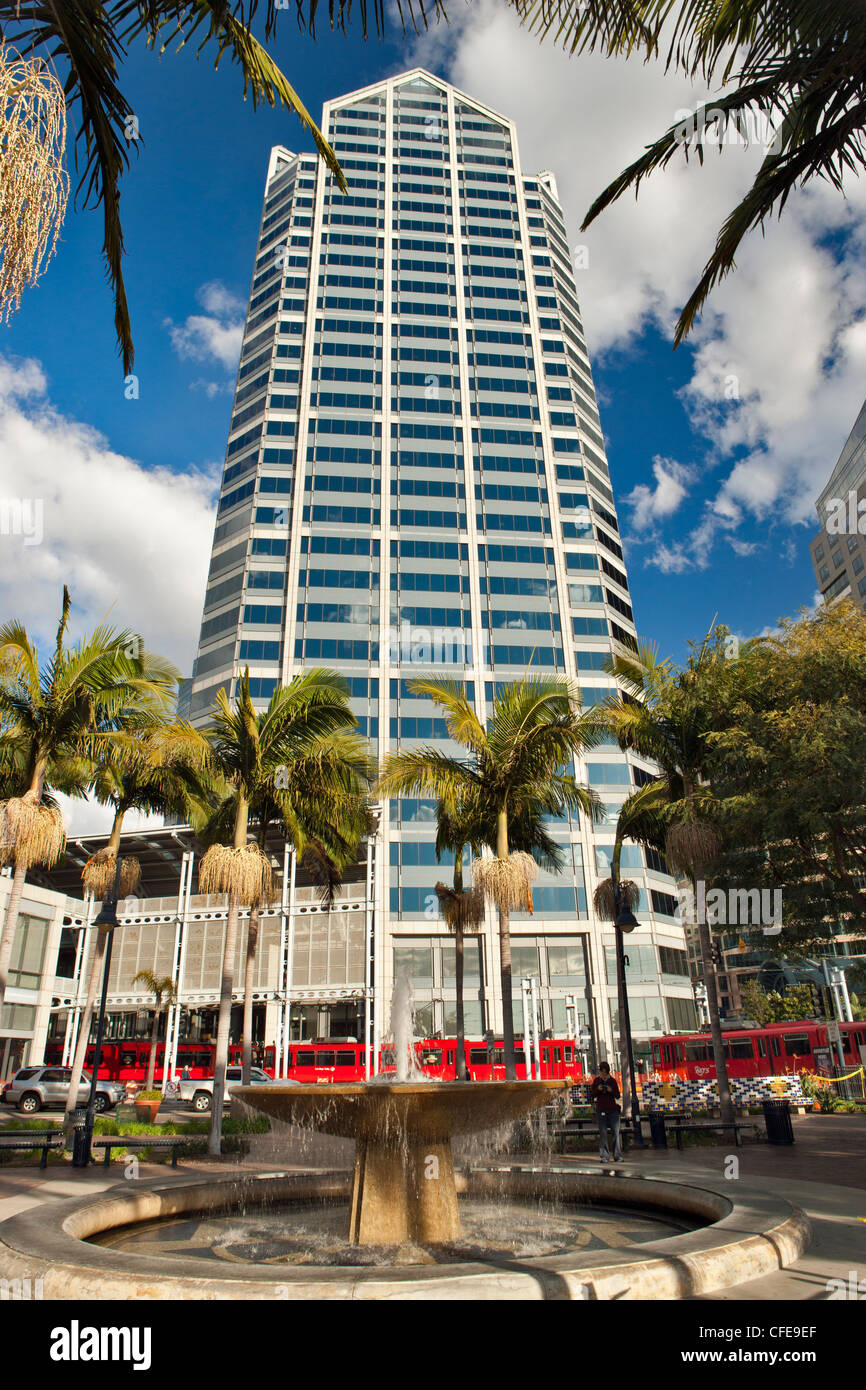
point(403, 1188)
point(740, 1240)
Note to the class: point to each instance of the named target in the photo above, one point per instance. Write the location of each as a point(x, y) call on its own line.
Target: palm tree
point(66, 709)
point(514, 771)
point(305, 731)
point(88, 43)
point(665, 715)
point(638, 819)
point(153, 766)
point(324, 830)
point(163, 991)
point(462, 910)
point(796, 65)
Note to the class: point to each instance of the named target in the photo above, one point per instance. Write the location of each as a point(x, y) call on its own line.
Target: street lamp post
point(106, 920)
point(625, 920)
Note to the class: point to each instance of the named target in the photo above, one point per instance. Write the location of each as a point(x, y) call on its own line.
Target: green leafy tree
point(303, 740)
point(786, 766)
point(795, 69)
point(515, 772)
point(770, 1006)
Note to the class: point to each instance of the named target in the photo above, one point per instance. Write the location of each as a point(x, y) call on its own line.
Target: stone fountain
point(403, 1189)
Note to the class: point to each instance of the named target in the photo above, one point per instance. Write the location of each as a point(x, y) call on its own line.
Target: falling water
point(402, 1029)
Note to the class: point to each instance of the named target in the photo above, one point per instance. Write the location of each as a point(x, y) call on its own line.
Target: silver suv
point(33, 1088)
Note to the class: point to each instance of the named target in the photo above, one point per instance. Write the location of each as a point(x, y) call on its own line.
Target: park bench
point(683, 1124)
point(25, 1139)
point(145, 1141)
point(576, 1126)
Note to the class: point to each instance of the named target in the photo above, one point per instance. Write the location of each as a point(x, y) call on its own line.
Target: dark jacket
point(604, 1094)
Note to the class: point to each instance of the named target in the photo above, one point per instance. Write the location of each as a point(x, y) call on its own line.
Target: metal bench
point(145, 1141)
point(681, 1126)
point(579, 1123)
point(26, 1139)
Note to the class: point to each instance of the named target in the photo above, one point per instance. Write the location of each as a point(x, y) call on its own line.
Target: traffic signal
point(817, 994)
point(716, 954)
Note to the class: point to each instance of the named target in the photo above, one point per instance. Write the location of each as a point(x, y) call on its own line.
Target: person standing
point(604, 1094)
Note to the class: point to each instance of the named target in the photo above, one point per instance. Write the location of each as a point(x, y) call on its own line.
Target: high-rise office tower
point(416, 482)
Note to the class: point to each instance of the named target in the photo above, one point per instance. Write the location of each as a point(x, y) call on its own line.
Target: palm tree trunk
point(151, 1059)
point(708, 970)
point(461, 1074)
point(10, 922)
point(223, 1023)
point(92, 989)
point(249, 964)
point(461, 1021)
point(505, 960)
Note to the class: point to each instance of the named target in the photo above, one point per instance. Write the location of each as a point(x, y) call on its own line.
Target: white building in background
point(416, 482)
point(839, 550)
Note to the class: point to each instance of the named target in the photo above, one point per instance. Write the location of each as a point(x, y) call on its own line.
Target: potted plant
point(146, 1105)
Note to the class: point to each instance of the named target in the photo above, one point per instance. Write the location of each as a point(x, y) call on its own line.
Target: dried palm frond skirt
point(602, 898)
point(244, 873)
point(462, 911)
point(30, 833)
point(99, 872)
point(507, 883)
point(689, 847)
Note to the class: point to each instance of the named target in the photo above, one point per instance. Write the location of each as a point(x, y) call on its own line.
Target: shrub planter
point(146, 1107)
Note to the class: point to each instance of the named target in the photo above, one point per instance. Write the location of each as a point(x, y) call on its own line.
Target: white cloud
point(212, 388)
point(217, 333)
point(130, 543)
point(654, 504)
point(670, 559)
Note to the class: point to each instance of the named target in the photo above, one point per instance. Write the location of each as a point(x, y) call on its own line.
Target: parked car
point(35, 1088)
point(200, 1091)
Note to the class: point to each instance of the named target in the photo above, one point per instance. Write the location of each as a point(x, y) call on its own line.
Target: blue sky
point(715, 489)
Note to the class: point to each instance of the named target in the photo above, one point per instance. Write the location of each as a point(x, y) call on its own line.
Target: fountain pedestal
point(403, 1187)
point(403, 1195)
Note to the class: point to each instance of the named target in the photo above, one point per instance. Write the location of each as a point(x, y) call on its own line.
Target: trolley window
point(345, 1059)
point(739, 1048)
point(797, 1045)
point(325, 1058)
point(696, 1052)
point(307, 1058)
point(762, 1046)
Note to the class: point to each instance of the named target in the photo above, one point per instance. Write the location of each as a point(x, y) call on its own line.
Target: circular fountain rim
point(746, 1238)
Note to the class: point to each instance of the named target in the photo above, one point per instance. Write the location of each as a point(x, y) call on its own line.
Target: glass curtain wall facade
point(416, 482)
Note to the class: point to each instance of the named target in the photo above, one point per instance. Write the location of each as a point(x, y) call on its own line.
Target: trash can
point(777, 1116)
point(80, 1145)
point(658, 1133)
